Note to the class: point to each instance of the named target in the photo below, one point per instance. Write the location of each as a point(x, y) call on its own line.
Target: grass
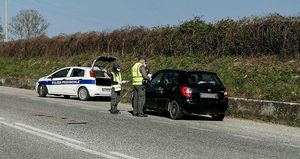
point(264, 77)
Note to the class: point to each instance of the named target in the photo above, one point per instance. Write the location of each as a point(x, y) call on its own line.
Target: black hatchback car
point(181, 92)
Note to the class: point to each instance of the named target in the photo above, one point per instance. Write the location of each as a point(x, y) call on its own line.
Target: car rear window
point(77, 73)
point(199, 78)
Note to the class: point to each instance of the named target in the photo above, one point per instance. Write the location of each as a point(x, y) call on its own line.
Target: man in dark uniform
point(139, 78)
point(116, 88)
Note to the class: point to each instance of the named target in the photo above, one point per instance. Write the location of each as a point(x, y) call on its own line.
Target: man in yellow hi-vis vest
point(116, 88)
point(139, 78)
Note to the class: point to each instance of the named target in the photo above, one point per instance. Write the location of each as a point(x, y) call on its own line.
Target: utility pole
point(6, 21)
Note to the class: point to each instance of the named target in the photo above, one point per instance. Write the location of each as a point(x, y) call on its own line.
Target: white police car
point(83, 82)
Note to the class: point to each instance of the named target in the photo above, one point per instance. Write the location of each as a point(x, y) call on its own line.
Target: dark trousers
point(115, 99)
point(138, 100)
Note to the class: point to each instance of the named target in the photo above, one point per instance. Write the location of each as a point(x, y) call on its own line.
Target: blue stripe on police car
point(64, 82)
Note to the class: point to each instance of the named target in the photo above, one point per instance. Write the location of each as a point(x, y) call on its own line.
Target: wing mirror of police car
point(51, 77)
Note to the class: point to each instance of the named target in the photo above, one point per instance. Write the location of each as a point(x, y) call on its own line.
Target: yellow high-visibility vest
point(137, 78)
point(117, 78)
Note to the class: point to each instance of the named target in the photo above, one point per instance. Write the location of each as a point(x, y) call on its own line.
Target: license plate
point(106, 89)
point(209, 95)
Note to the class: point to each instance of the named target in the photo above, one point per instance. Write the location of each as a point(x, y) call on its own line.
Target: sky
point(72, 16)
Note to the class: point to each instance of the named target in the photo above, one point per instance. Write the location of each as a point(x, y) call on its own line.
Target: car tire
point(175, 110)
point(42, 90)
point(218, 117)
point(67, 96)
point(83, 93)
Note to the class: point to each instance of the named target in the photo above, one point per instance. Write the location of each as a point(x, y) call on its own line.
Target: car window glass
point(170, 78)
point(209, 78)
point(203, 78)
point(77, 73)
point(157, 78)
point(62, 73)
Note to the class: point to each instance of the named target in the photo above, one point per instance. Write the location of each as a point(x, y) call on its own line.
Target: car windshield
point(199, 78)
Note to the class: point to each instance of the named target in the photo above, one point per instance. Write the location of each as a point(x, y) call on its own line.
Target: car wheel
point(175, 110)
point(66, 96)
point(83, 93)
point(218, 117)
point(42, 90)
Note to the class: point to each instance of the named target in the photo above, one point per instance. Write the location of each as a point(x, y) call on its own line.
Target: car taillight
point(225, 94)
point(92, 74)
point(186, 91)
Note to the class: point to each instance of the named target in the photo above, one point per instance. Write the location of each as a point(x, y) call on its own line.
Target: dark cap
point(142, 57)
point(116, 65)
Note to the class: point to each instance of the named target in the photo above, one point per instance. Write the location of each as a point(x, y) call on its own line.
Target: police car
point(83, 82)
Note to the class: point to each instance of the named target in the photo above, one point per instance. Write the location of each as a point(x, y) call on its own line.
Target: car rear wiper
point(212, 82)
point(202, 82)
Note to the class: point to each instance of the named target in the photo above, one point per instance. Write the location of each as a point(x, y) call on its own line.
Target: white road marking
point(36, 99)
point(246, 137)
point(200, 129)
point(290, 145)
point(1, 118)
point(86, 108)
point(60, 141)
point(122, 155)
point(67, 105)
point(162, 122)
point(52, 102)
point(49, 133)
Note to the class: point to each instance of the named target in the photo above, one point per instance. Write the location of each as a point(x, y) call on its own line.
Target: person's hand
point(126, 81)
point(150, 76)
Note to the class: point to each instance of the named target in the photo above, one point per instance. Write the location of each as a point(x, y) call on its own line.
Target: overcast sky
point(71, 16)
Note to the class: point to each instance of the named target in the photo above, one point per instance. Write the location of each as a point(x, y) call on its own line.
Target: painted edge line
point(246, 137)
point(201, 129)
point(49, 133)
point(122, 155)
point(162, 122)
point(74, 146)
point(67, 105)
point(51, 102)
point(290, 145)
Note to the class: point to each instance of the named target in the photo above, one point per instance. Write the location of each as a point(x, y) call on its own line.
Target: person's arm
point(144, 73)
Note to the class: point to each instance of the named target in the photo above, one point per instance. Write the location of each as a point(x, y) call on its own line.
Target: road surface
point(32, 127)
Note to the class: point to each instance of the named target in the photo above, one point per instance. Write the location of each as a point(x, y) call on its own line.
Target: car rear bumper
point(212, 107)
point(99, 91)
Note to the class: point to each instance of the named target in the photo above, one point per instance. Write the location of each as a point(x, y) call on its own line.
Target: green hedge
point(255, 36)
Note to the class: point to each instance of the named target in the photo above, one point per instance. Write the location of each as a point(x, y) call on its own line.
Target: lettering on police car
point(65, 82)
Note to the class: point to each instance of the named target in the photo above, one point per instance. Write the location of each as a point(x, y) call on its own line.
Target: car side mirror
point(167, 83)
point(51, 77)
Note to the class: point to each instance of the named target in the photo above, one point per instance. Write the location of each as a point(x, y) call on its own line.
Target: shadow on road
point(93, 99)
point(186, 117)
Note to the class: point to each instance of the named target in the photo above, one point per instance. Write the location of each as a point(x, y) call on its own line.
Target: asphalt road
point(53, 127)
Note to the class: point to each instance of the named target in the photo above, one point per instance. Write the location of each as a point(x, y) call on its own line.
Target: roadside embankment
point(264, 110)
point(19, 83)
point(272, 111)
